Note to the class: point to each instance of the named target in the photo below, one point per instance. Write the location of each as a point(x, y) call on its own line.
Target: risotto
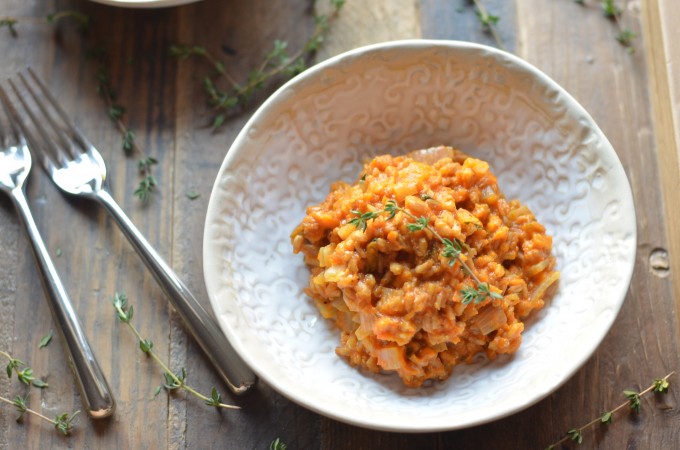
point(422, 264)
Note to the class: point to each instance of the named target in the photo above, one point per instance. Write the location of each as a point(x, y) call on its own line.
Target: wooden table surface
point(633, 97)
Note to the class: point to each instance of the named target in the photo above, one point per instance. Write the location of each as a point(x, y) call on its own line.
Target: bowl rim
point(424, 44)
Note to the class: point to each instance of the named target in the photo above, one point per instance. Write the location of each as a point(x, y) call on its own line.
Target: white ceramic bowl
point(393, 98)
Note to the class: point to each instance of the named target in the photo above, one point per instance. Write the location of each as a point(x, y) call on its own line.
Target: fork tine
point(49, 117)
point(38, 141)
point(72, 128)
point(8, 130)
point(20, 129)
point(59, 147)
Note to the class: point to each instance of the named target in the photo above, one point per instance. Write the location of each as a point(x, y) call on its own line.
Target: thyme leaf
point(452, 249)
point(172, 381)
point(227, 96)
point(659, 385)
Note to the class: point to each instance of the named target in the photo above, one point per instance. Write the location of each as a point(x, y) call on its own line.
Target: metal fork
point(77, 168)
point(15, 164)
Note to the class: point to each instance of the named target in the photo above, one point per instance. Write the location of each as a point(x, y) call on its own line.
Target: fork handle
point(231, 368)
point(95, 392)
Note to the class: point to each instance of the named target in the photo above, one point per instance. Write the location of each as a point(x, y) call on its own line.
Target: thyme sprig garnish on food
point(172, 381)
point(659, 385)
point(277, 62)
point(452, 248)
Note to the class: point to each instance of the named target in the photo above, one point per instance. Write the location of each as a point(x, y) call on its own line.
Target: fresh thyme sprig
point(147, 184)
point(172, 380)
point(277, 444)
point(23, 372)
point(9, 23)
point(659, 385)
point(45, 341)
point(116, 111)
point(612, 11)
point(53, 18)
point(452, 249)
point(278, 61)
point(488, 22)
point(62, 423)
point(82, 20)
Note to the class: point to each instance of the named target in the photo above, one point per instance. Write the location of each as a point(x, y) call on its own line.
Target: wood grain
point(662, 39)
point(166, 108)
point(642, 344)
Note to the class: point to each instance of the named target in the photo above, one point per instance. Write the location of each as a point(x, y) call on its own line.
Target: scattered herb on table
point(659, 385)
point(488, 22)
point(612, 11)
point(23, 372)
point(172, 380)
point(452, 249)
point(192, 194)
point(277, 444)
point(45, 341)
point(147, 184)
point(104, 88)
point(9, 23)
point(83, 22)
point(278, 62)
point(63, 422)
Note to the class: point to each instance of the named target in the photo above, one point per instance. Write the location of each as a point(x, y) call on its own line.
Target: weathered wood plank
point(96, 261)
point(662, 47)
point(198, 155)
point(166, 109)
point(457, 20)
point(364, 23)
point(576, 46)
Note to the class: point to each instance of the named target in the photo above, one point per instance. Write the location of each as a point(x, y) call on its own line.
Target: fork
point(77, 168)
point(15, 165)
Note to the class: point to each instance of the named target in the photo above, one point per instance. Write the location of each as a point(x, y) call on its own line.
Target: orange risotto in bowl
point(422, 263)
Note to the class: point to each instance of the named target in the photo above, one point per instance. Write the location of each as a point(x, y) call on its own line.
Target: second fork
point(15, 164)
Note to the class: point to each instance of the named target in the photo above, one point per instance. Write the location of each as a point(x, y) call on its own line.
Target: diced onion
point(490, 319)
point(545, 284)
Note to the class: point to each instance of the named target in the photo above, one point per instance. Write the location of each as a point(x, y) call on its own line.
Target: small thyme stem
point(441, 239)
point(579, 430)
point(625, 36)
point(170, 373)
point(452, 248)
point(492, 28)
point(277, 62)
point(28, 410)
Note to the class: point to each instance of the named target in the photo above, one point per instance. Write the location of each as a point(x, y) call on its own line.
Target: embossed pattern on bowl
point(393, 98)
